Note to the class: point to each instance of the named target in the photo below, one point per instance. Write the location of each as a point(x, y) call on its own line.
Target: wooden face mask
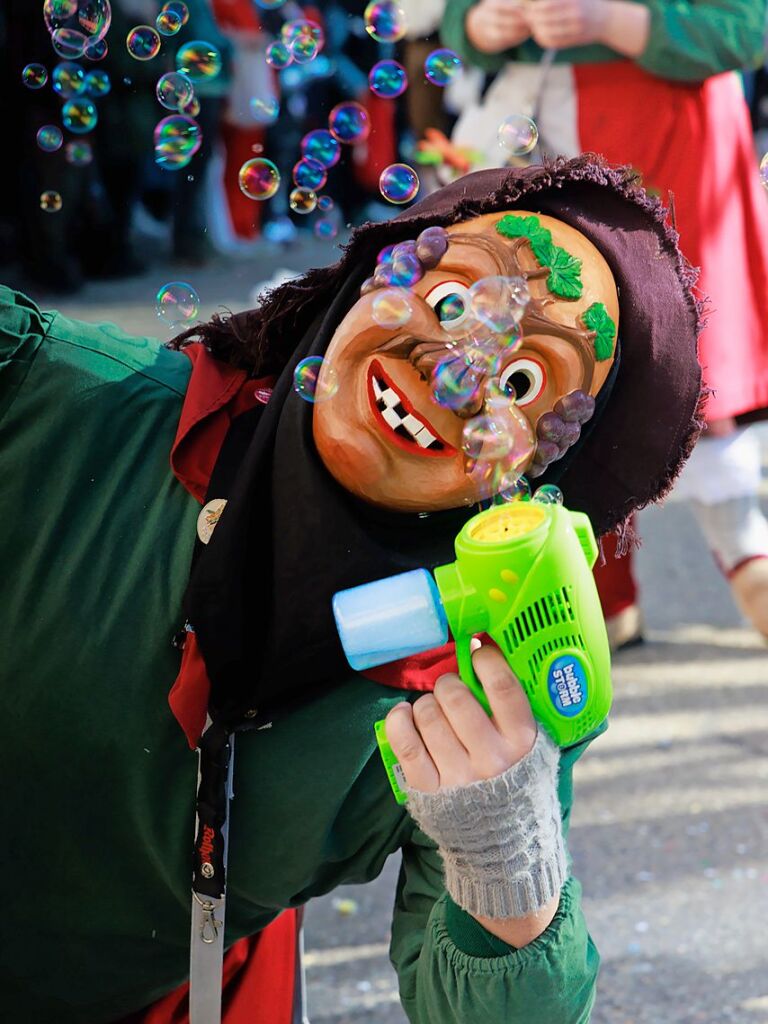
point(442, 401)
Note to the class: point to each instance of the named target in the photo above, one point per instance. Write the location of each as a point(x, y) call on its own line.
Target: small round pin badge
point(209, 517)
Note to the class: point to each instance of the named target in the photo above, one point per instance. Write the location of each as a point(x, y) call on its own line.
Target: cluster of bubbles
point(78, 27)
point(315, 379)
point(300, 42)
point(177, 303)
point(518, 135)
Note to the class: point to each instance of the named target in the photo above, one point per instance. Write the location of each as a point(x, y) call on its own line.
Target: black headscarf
point(260, 593)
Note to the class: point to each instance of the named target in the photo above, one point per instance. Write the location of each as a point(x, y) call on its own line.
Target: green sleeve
point(453, 34)
point(690, 41)
point(452, 970)
point(22, 330)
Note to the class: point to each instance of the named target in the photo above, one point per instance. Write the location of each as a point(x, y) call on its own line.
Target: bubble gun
point(523, 574)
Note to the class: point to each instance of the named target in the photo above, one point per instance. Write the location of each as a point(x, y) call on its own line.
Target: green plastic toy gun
point(523, 574)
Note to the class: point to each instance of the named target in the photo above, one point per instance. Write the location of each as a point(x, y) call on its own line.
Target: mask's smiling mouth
point(403, 425)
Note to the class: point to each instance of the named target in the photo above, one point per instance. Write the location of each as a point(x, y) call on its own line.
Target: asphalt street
point(670, 825)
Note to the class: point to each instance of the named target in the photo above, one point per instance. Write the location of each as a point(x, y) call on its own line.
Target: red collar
point(216, 395)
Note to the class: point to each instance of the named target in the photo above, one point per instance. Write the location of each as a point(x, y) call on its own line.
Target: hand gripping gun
point(523, 574)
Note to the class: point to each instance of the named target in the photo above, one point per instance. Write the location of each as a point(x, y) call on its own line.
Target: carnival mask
point(484, 368)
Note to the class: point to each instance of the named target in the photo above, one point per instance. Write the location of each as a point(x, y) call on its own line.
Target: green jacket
point(689, 41)
point(98, 778)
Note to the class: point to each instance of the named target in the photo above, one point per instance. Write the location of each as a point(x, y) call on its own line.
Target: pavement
point(670, 824)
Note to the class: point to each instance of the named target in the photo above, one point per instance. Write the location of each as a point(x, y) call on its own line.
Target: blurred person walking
point(650, 83)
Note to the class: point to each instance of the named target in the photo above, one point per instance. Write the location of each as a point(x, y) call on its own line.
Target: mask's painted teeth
point(397, 417)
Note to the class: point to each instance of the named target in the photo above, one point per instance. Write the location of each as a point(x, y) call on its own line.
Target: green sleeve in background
point(454, 971)
point(691, 41)
point(22, 330)
point(453, 34)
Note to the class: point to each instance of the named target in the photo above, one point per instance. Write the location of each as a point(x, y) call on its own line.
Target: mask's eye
point(451, 302)
point(524, 380)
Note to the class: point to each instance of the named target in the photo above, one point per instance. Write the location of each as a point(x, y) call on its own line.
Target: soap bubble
point(325, 203)
point(519, 491)
point(259, 178)
point(97, 83)
point(191, 109)
point(302, 200)
point(278, 55)
point(68, 79)
point(548, 494)
point(168, 23)
point(325, 227)
point(73, 24)
point(499, 302)
point(315, 380)
point(177, 303)
point(309, 173)
point(302, 28)
point(50, 201)
point(304, 49)
point(384, 21)
point(499, 442)
point(68, 43)
point(97, 49)
point(79, 116)
point(49, 138)
point(349, 122)
point(78, 153)
point(392, 307)
point(456, 382)
point(399, 183)
point(403, 267)
point(764, 170)
point(176, 139)
point(388, 79)
point(143, 42)
point(320, 145)
point(269, 5)
point(441, 66)
point(265, 110)
point(34, 76)
point(174, 91)
point(518, 135)
point(178, 8)
point(199, 61)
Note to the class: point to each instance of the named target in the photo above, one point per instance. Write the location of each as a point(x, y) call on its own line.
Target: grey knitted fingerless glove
point(501, 839)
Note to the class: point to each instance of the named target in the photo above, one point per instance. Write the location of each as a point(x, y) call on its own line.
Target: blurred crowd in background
point(120, 198)
point(118, 206)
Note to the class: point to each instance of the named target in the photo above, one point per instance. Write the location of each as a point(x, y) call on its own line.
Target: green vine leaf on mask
point(565, 270)
point(597, 320)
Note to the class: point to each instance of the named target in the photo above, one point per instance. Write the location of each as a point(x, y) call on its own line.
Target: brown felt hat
point(649, 422)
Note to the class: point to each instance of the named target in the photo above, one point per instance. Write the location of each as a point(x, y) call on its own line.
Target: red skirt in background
point(693, 144)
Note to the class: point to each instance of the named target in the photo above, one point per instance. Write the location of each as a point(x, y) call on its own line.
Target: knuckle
point(426, 710)
point(409, 751)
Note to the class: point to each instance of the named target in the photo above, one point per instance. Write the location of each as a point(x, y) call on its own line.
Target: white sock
point(736, 530)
